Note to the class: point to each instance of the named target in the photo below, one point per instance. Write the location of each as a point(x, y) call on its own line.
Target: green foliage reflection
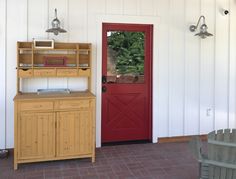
point(128, 48)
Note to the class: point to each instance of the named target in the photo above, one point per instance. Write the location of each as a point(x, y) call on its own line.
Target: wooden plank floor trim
point(179, 139)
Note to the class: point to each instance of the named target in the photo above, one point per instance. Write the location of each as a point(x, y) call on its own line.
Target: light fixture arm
point(193, 28)
point(55, 12)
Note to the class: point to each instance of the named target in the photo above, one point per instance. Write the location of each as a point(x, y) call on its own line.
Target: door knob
point(104, 89)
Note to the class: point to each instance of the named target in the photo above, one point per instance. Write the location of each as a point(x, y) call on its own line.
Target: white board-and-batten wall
point(194, 79)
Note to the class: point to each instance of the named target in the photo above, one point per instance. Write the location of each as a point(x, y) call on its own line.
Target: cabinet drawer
point(84, 72)
point(25, 73)
point(44, 72)
point(72, 104)
point(26, 106)
point(66, 72)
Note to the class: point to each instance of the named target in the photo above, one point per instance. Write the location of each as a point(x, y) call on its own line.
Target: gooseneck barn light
point(56, 29)
point(203, 28)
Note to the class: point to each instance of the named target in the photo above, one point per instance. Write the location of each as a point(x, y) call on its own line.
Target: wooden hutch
point(53, 126)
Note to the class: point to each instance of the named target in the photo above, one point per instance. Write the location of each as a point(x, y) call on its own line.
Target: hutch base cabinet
point(54, 127)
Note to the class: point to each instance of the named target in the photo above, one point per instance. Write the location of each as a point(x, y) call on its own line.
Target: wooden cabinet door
point(36, 135)
point(74, 133)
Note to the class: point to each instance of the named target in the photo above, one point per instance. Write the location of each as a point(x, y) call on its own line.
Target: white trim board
point(131, 20)
point(3, 74)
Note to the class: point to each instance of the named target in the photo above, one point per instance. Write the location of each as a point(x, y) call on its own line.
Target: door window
point(125, 57)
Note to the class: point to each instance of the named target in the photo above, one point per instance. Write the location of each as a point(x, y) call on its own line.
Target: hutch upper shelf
point(63, 60)
point(63, 55)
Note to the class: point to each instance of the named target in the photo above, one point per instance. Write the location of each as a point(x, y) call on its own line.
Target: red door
point(126, 82)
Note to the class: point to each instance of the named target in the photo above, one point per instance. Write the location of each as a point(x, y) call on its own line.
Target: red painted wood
point(127, 108)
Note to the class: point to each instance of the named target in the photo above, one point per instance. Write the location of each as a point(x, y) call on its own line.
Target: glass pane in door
point(125, 57)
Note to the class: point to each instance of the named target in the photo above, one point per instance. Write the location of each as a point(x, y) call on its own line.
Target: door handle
point(104, 79)
point(104, 89)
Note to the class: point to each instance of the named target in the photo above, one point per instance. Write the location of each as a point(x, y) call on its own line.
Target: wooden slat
point(222, 143)
point(219, 164)
point(233, 139)
point(204, 169)
point(211, 136)
point(195, 146)
point(217, 153)
point(226, 155)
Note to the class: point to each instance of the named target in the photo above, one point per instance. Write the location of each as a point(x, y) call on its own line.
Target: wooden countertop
point(35, 96)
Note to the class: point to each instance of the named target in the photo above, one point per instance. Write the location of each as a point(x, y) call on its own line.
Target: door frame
point(96, 87)
point(148, 30)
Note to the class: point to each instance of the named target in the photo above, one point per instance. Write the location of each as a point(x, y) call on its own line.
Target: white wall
point(2, 73)
point(193, 75)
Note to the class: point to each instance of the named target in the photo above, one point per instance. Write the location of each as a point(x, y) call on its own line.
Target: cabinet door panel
point(74, 133)
point(36, 135)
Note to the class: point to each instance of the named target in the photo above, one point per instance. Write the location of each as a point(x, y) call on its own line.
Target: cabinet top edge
point(31, 42)
point(72, 95)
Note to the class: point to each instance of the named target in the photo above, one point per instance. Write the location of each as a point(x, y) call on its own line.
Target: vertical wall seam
point(214, 71)
point(27, 20)
point(87, 21)
point(87, 28)
point(68, 24)
point(138, 7)
point(234, 67)
point(106, 6)
point(229, 69)
point(48, 17)
point(199, 75)
point(68, 34)
point(123, 11)
point(154, 10)
point(5, 99)
point(184, 74)
point(169, 70)
point(47, 33)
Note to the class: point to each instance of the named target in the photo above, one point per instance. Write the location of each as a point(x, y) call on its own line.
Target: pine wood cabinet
point(36, 134)
point(74, 133)
point(54, 127)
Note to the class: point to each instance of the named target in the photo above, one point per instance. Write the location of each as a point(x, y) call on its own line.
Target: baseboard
point(179, 139)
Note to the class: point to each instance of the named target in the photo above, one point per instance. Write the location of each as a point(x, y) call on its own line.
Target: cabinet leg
point(15, 166)
point(93, 159)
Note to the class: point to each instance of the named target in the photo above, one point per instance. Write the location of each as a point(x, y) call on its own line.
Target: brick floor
point(135, 161)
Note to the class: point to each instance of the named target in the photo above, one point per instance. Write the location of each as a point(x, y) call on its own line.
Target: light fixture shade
point(203, 35)
point(203, 32)
point(56, 29)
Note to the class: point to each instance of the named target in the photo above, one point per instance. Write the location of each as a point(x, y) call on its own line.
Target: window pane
point(125, 57)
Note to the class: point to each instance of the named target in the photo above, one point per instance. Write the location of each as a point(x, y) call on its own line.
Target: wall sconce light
point(56, 29)
point(203, 28)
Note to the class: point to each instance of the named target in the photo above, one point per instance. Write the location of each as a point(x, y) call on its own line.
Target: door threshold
point(126, 142)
